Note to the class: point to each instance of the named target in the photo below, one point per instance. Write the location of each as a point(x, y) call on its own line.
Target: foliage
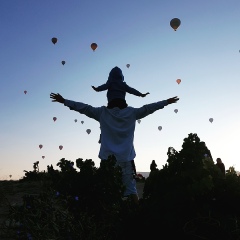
point(75, 204)
point(188, 198)
point(192, 196)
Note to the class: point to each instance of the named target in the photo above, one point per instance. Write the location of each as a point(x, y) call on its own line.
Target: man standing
point(117, 124)
point(153, 166)
point(221, 165)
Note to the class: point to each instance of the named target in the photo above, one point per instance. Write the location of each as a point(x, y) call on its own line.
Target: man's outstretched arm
point(88, 110)
point(152, 107)
point(57, 97)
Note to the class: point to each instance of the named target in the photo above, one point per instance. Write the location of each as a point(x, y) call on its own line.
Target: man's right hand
point(172, 100)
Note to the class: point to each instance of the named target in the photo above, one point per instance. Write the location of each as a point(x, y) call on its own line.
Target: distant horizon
point(144, 174)
point(7, 178)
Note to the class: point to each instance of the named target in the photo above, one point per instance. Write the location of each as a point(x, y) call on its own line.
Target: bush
point(188, 198)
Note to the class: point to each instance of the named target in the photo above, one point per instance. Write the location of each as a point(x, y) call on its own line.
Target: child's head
point(116, 74)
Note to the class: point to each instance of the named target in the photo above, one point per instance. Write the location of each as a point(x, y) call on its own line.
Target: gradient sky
point(203, 53)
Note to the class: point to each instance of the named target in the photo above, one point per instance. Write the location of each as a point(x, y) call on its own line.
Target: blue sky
point(203, 53)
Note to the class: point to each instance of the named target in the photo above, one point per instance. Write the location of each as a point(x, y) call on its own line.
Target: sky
point(204, 52)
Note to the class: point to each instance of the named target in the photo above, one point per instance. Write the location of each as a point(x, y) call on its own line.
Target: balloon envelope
point(25, 91)
point(175, 23)
point(60, 147)
point(75, 120)
point(82, 122)
point(178, 81)
point(94, 46)
point(159, 128)
point(139, 120)
point(54, 40)
point(88, 131)
point(128, 65)
point(175, 110)
point(211, 120)
point(54, 119)
point(40, 146)
point(63, 62)
point(43, 157)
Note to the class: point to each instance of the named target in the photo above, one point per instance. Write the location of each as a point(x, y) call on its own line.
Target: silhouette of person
point(117, 124)
point(221, 166)
point(117, 87)
point(153, 166)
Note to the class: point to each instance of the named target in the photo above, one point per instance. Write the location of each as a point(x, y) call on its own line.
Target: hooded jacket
point(116, 86)
point(117, 126)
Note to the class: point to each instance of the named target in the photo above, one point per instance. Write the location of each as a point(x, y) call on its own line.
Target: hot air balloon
point(88, 131)
point(54, 119)
point(128, 65)
point(75, 120)
point(159, 128)
point(210, 120)
point(25, 91)
point(94, 46)
point(175, 23)
point(175, 110)
point(82, 122)
point(63, 62)
point(54, 40)
point(43, 157)
point(139, 120)
point(60, 147)
point(40, 146)
point(178, 81)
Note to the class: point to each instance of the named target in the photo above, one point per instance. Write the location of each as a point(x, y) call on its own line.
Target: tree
point(183, 190)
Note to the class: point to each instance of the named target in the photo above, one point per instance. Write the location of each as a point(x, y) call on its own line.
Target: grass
point(11, 196)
